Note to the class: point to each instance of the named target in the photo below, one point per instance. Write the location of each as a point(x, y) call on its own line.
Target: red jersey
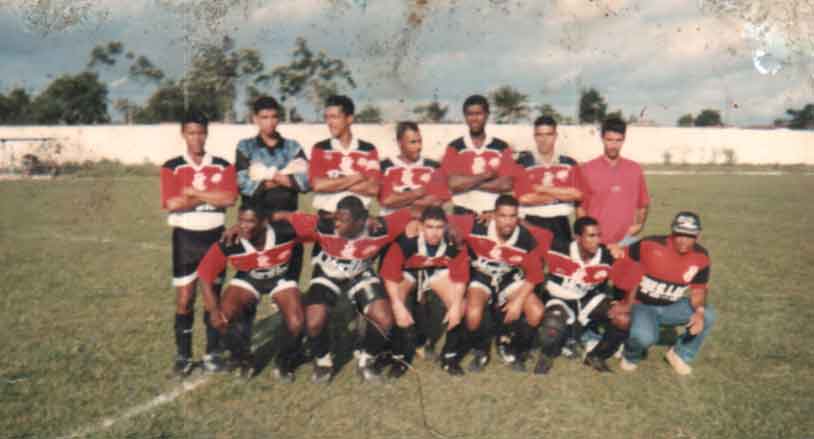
point(330, 159)
point(524, 249)
point(463, 158)
point(571, 278)
point(341, 257)
point(562, 172)
point(213, 174)
point(667, 274)
point(399, 176)
point(270, 261)
point(415, 254)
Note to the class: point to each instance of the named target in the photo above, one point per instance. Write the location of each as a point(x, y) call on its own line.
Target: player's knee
point(474, 315)
point(295, 321)
point(621, 321)
point(553, 327)
point(643, 337)
point(380, 313)
point(314, 322)
point(185, 302)
point(534, 314)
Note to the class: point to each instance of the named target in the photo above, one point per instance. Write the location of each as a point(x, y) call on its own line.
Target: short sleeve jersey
point(463, 158)
point(212, 174)
point(329, 159)
point(399, 176)
point(563, 172)
point(415, 253)
point(667, 274)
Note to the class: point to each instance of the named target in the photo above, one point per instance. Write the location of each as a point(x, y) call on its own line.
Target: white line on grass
point(93, 239)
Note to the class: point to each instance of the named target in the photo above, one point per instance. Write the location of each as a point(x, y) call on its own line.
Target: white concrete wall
point(156, 143)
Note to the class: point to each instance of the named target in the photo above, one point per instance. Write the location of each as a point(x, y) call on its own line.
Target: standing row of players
point(487, 258)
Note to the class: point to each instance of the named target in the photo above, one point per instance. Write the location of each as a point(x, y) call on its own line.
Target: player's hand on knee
point(402, 315)
point(512, 308)
point(453, 316)
point(696, 324)
point(219, 321)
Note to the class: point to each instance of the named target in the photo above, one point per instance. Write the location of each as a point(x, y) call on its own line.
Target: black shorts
point(188, 249)
point(559, 226)
point(260, 285)
point(498, 287)
point(591, 307)
point(361, 290)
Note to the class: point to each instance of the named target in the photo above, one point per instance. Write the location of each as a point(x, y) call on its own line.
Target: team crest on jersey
point(407, 178)
point(562, 174)
point(516, 259)
point(348, 251)
point(216, 178)
point(346, 166)
point(548, 179)
point(370, 250)
point(263, 261)
point(199, 181)
point(691, 272)
point(494, 163)
point(425, 178)
point(283, 255)
point(601, 274)
point(478, 165)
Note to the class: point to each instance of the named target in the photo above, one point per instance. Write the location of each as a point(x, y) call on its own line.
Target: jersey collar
point(337, 145)
point(471, 145)
point(492, 234)
point(270, 238)
point(206, 160)
point(573, 251)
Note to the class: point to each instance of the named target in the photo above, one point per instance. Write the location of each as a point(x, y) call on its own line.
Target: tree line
point(217, 73)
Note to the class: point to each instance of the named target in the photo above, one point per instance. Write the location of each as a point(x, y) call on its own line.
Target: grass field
point(86, 335)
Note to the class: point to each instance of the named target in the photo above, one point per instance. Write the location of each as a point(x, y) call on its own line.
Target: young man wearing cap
point(672, 292)
point(617, 193)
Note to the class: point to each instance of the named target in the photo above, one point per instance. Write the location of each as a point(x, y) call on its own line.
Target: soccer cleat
point(452, 366)
point(596, 363)
point(479, 361)
point(627, 366)
point(544, 364)
point(519, 365)
point(213, 363)
point(571, 349)
point(182, 367)
point(397, 370)
point(678, 364)
point(368, 368)
point(504, 352)
point(283, 370)
point(590, 345)
point(323, 369)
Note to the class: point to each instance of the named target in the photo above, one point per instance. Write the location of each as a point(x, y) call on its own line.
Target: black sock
point(183, 334)
point(321, 343)
point(524, 337)
point(290, 345)
point(374, 340)
point(610, 342)
point(455, 343)
point(213, 343)
point(404, 343)
point(479, 339)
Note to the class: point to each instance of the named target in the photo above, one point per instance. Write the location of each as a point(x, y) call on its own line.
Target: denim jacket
point(254, 149)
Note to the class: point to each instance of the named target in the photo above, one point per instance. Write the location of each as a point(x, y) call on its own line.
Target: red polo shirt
point(614, 194)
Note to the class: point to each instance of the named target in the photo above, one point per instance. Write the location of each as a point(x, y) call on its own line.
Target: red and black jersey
point(270, 261)
point(330, 159)
point(524, 249)
point(667, 275)
point(416, 254)
point(463, 158)
point(571, 278)
point(343, 258)
point(401, 176)
point(563, 172)
point(213, 174)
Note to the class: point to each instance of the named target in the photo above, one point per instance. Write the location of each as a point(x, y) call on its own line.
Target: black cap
point(687, 223)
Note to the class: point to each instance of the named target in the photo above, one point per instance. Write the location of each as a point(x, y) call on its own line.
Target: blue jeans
point(645, 323)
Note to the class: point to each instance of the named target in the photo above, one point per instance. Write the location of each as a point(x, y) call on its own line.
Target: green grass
point(86, 333)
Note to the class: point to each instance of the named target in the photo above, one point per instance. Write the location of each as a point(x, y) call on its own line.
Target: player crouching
point(429, 261)
point(261, 257)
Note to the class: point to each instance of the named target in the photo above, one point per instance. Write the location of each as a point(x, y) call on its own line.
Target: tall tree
point(72, 100)
point(127, 108)
point(592, 106)
point(311, 76)
point(686, 120)
point(433, 112)
point(509, 104)
point(802, 119)
point(708, 118)
point(550, 111)
point(105, 54)
point(15, 107)
point(369, 114)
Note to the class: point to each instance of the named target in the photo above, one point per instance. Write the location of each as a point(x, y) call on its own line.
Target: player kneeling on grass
point(672, 266)
point(576, 295)
point(430, 261)
point(261, 256)
point(347, 245)
point(506, 264)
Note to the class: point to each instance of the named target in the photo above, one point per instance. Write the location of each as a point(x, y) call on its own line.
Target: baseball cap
point(687, 223)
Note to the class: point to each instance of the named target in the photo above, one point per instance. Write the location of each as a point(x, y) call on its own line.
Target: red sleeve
point(544, 238)
point(644, 196)
point(169, 188)
point(392, 264)
point(438, 186)
point(230, 180)
point(317, 166)
point(522, 183)
point(533, 265)
point(626, 274)
point(212, 264)
point(459, 267)
point(701, 278)
point(507, 167)
point(396, 222)
point(305, 226)
point(462, 224)
point(584, 187)
point(450, 161)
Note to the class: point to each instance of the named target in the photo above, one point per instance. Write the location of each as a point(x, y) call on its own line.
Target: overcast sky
point(663, 58)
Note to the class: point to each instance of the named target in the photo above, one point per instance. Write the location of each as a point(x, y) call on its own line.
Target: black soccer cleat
point(452, 366)
point(213, 363)
point(397, 370)
point(504, 352)
point(544, 364)
point(479, 361)
point(519, 364)
point(598, 364)
point(182, 366)
point(284, 370)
